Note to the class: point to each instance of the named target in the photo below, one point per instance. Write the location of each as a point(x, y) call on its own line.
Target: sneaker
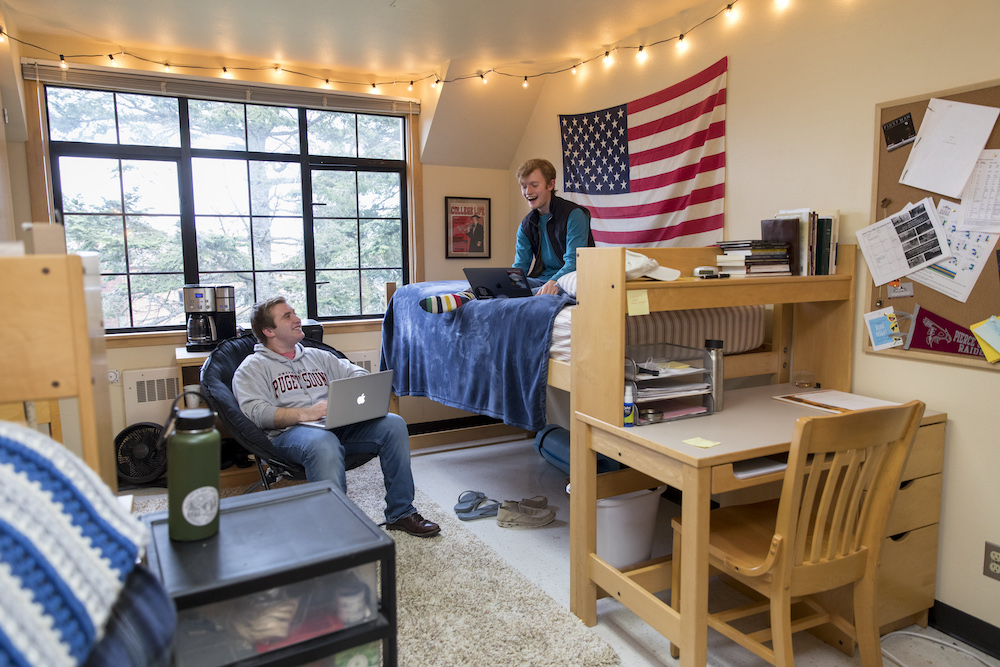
point(514, 515)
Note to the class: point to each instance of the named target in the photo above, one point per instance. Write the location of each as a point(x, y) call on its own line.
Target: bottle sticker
point(201, 506)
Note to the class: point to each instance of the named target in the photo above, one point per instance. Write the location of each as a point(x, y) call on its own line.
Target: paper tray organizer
point(674, 380)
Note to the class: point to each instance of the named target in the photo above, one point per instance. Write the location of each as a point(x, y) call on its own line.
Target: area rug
point(459, 603)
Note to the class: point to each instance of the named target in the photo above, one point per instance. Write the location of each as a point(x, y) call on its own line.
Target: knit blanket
point(490, 357)
point(66, 549)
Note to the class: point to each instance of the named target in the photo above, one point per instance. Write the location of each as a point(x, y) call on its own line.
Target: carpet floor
point(460, 603)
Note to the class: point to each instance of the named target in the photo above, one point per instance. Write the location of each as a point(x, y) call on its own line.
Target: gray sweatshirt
point(266, 381)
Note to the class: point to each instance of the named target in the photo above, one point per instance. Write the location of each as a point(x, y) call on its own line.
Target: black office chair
point(217, 388)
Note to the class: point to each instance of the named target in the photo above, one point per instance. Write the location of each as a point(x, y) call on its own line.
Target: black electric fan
point(142, 458)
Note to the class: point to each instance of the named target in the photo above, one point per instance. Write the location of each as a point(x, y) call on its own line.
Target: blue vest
point(555, 229)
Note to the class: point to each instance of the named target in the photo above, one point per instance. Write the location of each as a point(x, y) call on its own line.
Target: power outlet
point(991, 567)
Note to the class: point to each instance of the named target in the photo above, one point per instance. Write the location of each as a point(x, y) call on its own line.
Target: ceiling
point(377, 39)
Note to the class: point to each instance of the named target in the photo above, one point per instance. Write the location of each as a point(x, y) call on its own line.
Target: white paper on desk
point(970, 252)
point(950, 139)
point(904, 242)
point(980, 210)
point(835, 401)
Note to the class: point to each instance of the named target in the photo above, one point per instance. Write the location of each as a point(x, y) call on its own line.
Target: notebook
point(497, 282)
point(356, 399)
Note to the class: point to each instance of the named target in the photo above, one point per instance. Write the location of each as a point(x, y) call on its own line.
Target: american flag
point(653, 171)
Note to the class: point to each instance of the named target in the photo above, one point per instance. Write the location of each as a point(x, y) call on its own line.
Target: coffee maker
point(199, 308)
point(225, 311)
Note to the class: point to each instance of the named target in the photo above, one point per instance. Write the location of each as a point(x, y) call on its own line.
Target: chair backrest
point(217, 387)
point(842, 477)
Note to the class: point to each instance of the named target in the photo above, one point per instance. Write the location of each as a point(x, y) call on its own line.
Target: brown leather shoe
point(415, 525)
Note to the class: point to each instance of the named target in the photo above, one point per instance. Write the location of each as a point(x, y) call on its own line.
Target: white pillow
point(567, 283)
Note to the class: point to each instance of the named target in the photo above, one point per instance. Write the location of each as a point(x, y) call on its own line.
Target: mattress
point(741, 328)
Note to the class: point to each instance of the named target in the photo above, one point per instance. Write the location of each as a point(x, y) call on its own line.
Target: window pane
point(381, 243)
point(290, 284)
point(221, 187)
point(336, 244)
point(115, 301)
point(147, 120)
point(275, 188)
point(331, 133)
point(380, 137)
point(156, 300)
point(378, 195)
point(154, 244)
point(102, 234)
point(373, 289)
point(220, 125)
point(223, 244)
point(90, 185)
point(337, 293)
point(272, 129)
point(151, 187)
point(334, 194)
point(277, 244)
point(81, 115)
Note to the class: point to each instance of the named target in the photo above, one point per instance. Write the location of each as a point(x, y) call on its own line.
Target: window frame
point(184, 155)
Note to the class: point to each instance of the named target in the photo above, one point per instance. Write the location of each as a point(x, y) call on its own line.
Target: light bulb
point(114, 63)
point(62, 62)
point(680, 42)
point(607, 57)
point(525, 84)
point(166, 67)
point(410, 87)
point(483, 77)
point(436, 82)
point(574, 68)
point(2, 36)
point(641, 55)
point(226, 74)
point(326, 83)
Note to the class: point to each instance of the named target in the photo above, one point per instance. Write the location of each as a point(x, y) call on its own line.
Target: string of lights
point(608, 56)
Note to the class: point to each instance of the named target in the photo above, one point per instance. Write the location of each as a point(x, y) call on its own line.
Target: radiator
point(367, 359)
point(149, 393)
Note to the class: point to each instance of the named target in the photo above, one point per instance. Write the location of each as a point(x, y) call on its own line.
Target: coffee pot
point(199, 307)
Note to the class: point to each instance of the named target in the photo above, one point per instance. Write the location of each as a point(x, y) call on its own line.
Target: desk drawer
point(906, 574)
point(927, 453)
point(918, 504)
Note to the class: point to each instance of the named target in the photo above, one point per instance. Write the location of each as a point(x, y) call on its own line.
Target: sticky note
point(701, 442)
point(987, 340)
point(638, 302)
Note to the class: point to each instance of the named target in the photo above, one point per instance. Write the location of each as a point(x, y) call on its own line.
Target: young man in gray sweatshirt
point(284, 383)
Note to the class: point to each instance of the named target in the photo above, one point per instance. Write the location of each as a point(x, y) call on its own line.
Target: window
point(171, 190)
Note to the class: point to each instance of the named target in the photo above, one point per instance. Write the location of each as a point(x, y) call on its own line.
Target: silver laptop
point(497, 282)
point(356, 399)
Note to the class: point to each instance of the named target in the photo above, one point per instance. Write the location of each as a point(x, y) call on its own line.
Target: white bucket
point(625, 526)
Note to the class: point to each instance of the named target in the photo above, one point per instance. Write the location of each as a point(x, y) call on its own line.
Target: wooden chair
point(825, 531)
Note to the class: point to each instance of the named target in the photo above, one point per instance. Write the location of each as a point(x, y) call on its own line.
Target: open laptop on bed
point(356, 399)
point(497, 282)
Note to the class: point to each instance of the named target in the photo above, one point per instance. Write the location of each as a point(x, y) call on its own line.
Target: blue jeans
point(324, 455)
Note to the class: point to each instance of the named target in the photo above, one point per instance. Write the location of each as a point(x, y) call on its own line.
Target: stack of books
point(812, 238)
point(754, 257)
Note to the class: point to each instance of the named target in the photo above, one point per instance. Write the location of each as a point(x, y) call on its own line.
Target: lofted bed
point(811, 314)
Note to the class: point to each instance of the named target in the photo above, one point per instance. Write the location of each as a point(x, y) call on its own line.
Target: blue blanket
point(489, 356)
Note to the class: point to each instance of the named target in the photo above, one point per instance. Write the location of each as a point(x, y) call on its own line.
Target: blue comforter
point(489, 357)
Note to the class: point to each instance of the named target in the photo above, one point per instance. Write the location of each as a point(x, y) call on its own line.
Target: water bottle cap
point(713, 344)
point(195, 419)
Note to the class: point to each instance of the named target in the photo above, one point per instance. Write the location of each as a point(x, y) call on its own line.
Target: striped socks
point(446, 302)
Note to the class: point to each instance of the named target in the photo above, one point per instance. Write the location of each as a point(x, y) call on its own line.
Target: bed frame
point(812, 315)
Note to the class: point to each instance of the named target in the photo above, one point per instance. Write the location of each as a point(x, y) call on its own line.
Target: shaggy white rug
point(459, 603)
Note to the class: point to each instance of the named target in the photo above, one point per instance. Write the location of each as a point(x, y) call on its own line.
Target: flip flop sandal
point(484, 508)
point(469, 500)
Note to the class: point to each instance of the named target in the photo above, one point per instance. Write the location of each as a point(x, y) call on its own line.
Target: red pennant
point(929, 331)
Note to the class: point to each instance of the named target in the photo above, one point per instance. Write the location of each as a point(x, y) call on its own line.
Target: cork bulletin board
point(889, 196)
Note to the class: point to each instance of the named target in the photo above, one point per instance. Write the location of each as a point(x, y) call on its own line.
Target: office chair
point(825, 531)
point(217, 388)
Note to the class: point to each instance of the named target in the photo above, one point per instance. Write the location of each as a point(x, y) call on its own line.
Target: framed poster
point(467, 227)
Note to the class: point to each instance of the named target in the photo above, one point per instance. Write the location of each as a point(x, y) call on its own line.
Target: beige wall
point(802, 90)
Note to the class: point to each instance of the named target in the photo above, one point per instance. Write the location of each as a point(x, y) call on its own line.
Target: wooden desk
point(751, 425)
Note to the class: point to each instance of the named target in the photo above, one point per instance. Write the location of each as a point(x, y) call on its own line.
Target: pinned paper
point(987, 333)
point(701, 442)
point(638, 302)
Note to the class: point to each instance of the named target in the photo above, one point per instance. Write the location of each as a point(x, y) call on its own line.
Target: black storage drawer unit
point(295, 576)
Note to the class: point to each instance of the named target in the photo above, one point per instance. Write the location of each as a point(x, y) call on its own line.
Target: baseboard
point(966, 628)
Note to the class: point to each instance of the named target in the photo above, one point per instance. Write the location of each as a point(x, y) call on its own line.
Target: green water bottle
point(193, 454)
